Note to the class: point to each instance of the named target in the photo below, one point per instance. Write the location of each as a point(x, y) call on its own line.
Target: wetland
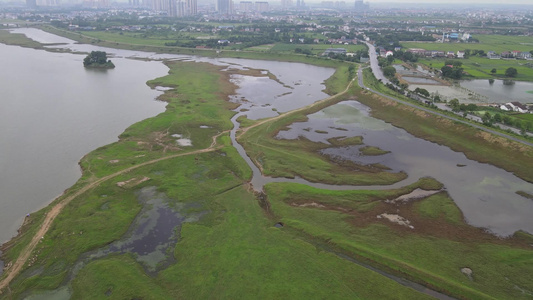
point(214, 236)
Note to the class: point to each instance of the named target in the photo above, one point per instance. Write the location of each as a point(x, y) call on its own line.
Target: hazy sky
point(463, 2)
point(454, 1)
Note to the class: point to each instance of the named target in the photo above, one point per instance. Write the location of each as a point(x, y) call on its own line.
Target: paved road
point(374, 64)
point(360, 81)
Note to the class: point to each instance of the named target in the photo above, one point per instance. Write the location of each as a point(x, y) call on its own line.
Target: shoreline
point(101, 180)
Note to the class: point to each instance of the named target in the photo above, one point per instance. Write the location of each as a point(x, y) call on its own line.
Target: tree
point(493, 71)
point(471, 107)
point(422, 92)
point(487, 119)
point(389, 71)
point(454, 104)
point(511, 72)
point(97, 59)
point(498, 118)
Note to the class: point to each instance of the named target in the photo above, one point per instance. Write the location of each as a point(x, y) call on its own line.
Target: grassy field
point(18, 39)
point(435, 250)
point(314, 48)
point(233, 251)
point(497, 43)
point(480, 67)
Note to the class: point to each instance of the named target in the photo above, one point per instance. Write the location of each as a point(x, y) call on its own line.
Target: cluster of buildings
point(517, 107)
point(461, 54)
point(249, 6)
point(510, 54)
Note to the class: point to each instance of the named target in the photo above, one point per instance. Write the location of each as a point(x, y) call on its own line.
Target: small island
point(98, 59)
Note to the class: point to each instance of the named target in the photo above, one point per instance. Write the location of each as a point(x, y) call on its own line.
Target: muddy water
point(153, 233)
point(151, 238)
point(485, 194)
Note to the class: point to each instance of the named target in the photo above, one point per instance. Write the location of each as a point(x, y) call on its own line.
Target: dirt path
point(54, 212)
point(57, 208)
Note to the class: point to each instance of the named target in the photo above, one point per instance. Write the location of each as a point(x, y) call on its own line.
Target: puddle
point(184, 142)
point(152, 234)
point(180, 140)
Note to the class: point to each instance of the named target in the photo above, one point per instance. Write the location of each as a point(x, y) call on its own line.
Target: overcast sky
point(454, 1)
point(477, 2)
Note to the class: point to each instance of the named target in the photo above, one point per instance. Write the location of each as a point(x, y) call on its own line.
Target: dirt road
point(57, 208)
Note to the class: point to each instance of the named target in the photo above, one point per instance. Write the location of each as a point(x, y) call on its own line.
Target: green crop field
point(481, 67)
point(315, 48)
point(497, 43)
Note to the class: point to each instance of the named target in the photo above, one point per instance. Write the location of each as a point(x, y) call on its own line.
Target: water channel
point(485, 194)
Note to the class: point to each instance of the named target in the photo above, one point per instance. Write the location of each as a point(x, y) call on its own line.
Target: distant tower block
point(31, 3)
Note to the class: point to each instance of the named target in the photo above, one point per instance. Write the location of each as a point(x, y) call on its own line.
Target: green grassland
point(481, 67)
point(314, 48)
point(497, 43)
point(9, 38)
point(435, 250)
point(232, 252)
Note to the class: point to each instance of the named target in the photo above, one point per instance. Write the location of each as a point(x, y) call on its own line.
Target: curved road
point(374, 64)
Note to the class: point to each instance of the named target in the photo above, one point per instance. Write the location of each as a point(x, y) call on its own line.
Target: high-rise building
point(31, 3)
point(261, 6)
point(246, 6)
point(286, 3)
point(361, 6)
point(192, 6)
point(225, 6)
point(187, 8)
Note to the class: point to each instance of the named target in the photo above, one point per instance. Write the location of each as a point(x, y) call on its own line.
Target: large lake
point(53, 111)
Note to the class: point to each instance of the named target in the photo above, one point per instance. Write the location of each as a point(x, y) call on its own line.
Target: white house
point(514, 106)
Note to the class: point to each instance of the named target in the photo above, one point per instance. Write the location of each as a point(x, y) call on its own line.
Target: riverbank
point(211, 182)
point(236, 233)
point(475, 144)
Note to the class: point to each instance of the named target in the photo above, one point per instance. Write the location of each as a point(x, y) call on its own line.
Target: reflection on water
point(499, 92)
point(485, 194)
point(53, 112)
point(151, 237)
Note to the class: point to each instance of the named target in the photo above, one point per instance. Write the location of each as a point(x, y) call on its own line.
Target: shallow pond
point(485, 194)
point(498, 92)
point(420, 80)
